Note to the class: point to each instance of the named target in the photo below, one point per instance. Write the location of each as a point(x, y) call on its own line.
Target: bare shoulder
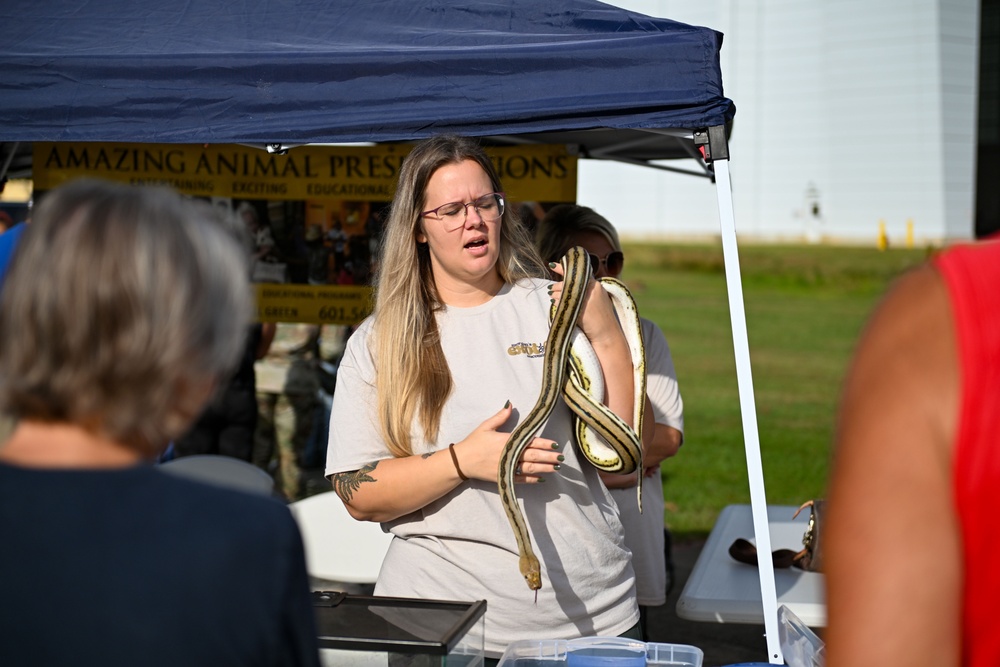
point(900, 395)
point(890, 486)
point(905, 370)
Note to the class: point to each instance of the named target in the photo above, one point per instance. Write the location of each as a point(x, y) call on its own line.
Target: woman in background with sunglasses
point(430, 388)
point(562, 228)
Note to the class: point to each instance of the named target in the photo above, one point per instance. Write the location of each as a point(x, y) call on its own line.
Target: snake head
point(531, 571)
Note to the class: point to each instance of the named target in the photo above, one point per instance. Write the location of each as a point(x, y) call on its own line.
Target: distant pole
point(909, 233)
point(883, 238)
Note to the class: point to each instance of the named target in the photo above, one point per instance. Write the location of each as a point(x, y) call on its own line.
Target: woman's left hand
point(600, 325)
point(597, 318)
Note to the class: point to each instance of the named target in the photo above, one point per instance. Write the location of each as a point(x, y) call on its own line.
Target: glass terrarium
point(367, 631)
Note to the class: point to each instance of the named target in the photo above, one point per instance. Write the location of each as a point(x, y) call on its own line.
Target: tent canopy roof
point(324, 71)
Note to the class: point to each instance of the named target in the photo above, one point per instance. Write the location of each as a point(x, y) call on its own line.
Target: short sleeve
point(661, 378)
point(355, 439)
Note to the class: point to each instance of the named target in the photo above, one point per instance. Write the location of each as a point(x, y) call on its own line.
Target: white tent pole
point(741, 345)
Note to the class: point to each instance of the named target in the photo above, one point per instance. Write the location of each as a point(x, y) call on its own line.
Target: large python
point(571, 369)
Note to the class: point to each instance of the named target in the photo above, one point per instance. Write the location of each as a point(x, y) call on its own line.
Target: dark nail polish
point(552, 265)
point(556, 467)
point(507, 404)
point(560, 458)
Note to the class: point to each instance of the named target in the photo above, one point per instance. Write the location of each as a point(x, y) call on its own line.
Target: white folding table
point(723, 590)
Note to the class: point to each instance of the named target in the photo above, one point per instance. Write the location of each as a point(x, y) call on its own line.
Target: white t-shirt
point(644, 532)
point(461, 546)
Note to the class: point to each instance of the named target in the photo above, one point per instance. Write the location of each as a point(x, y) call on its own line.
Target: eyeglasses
point(615, 261)
point(454, 214)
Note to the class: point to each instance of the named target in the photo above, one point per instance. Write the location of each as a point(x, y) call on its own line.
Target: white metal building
point(849, 114)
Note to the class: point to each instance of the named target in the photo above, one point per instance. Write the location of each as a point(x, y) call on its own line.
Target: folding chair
point(339, 548)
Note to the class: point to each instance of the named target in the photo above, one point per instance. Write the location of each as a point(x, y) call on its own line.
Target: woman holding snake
point(431, 386)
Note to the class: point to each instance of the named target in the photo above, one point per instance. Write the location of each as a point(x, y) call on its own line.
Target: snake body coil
point(577, 376)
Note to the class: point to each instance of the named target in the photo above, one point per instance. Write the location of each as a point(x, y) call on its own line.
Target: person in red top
point(912, 576)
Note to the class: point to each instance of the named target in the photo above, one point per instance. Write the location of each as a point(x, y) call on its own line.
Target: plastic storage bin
point(599, 652)
point(373, 630)
point(799, 644)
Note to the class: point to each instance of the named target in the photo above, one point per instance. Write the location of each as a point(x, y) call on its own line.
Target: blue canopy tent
point(281, 73)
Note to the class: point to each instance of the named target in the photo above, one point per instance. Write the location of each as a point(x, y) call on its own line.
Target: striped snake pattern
point(571, 369)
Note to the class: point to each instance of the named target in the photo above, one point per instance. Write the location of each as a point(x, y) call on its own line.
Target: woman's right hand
point(479, 453)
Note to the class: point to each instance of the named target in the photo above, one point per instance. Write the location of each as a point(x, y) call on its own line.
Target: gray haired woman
point(123, 308)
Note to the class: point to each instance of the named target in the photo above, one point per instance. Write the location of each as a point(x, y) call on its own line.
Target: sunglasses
point(614, 261)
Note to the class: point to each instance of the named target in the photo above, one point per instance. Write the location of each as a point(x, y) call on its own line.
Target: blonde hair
point(554, 233)
point(144, 301)
point(412, 374)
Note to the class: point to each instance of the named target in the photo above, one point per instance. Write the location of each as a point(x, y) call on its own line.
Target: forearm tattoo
point(346, 483)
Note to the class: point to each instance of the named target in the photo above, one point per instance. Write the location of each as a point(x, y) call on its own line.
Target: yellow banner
point(529, 173)
point(314, 215)
point(313, 304)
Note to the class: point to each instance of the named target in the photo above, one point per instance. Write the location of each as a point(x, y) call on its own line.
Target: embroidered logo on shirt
point(530, 349)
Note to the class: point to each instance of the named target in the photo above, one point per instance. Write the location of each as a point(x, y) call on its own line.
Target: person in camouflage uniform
point(287, 400)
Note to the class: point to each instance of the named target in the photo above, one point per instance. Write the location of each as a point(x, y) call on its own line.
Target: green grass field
point(805, 306)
